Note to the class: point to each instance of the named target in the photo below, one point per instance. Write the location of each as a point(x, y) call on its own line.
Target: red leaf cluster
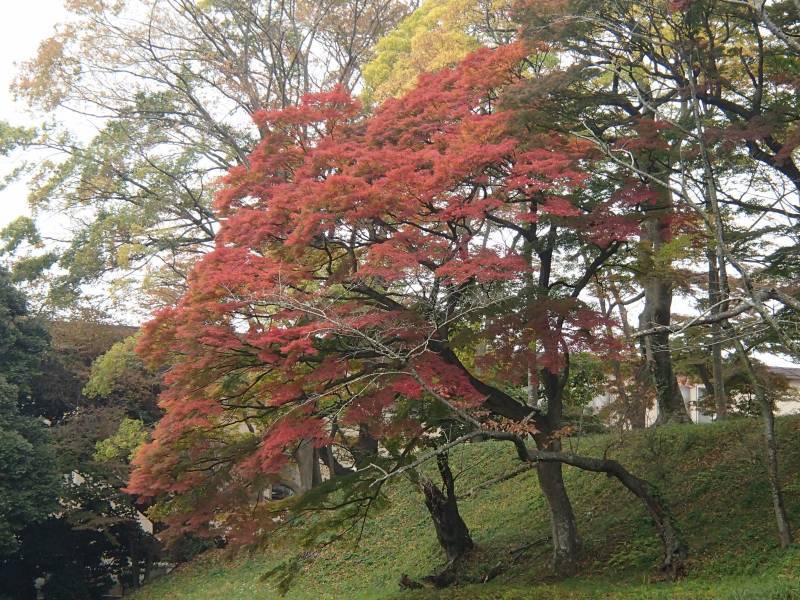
point(352, 250)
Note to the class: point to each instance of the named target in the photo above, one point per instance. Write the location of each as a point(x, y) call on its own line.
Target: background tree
point(86, 530)
point(171, 86)
point(437, 34)
point(28, 480)
point(677, 73)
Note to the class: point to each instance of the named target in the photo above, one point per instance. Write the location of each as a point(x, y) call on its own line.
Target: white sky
point(25, 23)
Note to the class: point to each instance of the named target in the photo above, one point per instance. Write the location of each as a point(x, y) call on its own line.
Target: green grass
point(711, 475)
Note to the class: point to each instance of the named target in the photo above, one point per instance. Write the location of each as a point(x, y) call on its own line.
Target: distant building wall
point(693, 393)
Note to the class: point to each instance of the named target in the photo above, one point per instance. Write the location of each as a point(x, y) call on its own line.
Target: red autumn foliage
point(354, 255)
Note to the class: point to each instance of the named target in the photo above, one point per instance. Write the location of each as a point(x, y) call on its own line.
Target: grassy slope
point(712, 476)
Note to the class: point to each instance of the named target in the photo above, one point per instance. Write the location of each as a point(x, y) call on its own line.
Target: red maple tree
point(367, 268)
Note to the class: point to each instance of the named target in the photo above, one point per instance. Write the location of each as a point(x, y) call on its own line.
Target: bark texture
point(656, 350)
point(566, 543)
point(451, 530)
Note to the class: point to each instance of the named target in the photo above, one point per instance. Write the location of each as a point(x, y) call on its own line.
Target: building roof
point(792, 373)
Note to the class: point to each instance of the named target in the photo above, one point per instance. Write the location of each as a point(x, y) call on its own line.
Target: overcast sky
point(25, 23)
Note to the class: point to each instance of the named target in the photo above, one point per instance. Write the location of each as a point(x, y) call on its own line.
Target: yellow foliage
point(437, 35)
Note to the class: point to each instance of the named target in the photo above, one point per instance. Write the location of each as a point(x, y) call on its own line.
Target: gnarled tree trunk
point(451, 530)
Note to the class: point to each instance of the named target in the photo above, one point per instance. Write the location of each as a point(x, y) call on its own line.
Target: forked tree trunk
point(451, 530)
point(674, 549)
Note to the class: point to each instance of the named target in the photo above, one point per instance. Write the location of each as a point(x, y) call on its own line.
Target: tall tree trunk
point(715, 298)
point(656, 280)
point(655, 346)
point(771, 447)
point(308, 467)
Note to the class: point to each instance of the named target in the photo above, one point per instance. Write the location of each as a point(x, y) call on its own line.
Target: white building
point(693, 394)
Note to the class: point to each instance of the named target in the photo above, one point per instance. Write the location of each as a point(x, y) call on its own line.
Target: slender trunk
point(635, 404)
point(451, 530)
point(717, 226)
point(718, 286)
point(566, 542)
point(633, 407)
point(715, 299)
point(770, 447)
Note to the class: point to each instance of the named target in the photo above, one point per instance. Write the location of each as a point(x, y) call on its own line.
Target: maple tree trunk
point(564, 531)
point(451, 530)
point(673, 546)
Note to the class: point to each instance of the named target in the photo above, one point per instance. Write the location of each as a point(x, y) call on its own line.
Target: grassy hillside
point(712, 475)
